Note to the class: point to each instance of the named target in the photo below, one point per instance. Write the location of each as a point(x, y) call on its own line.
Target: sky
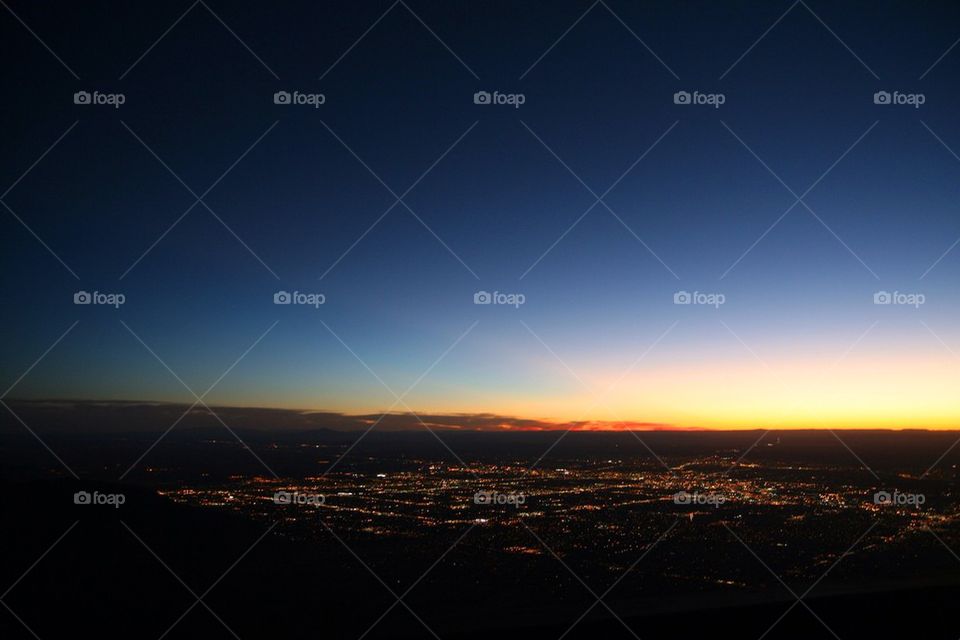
point(599, 201)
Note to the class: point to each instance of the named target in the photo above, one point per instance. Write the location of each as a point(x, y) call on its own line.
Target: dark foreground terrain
point(400, 548)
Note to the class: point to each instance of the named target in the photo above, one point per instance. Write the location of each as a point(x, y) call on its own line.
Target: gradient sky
point(798, 342)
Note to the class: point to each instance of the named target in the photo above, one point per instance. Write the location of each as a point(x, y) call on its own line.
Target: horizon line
point(480, 422)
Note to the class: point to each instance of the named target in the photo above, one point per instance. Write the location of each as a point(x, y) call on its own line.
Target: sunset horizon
point(482, 421)
point(453, 320)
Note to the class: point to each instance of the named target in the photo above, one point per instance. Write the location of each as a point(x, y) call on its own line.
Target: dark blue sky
point(799, 99)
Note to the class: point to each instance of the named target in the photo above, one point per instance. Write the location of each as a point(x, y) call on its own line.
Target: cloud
point(89, 416)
